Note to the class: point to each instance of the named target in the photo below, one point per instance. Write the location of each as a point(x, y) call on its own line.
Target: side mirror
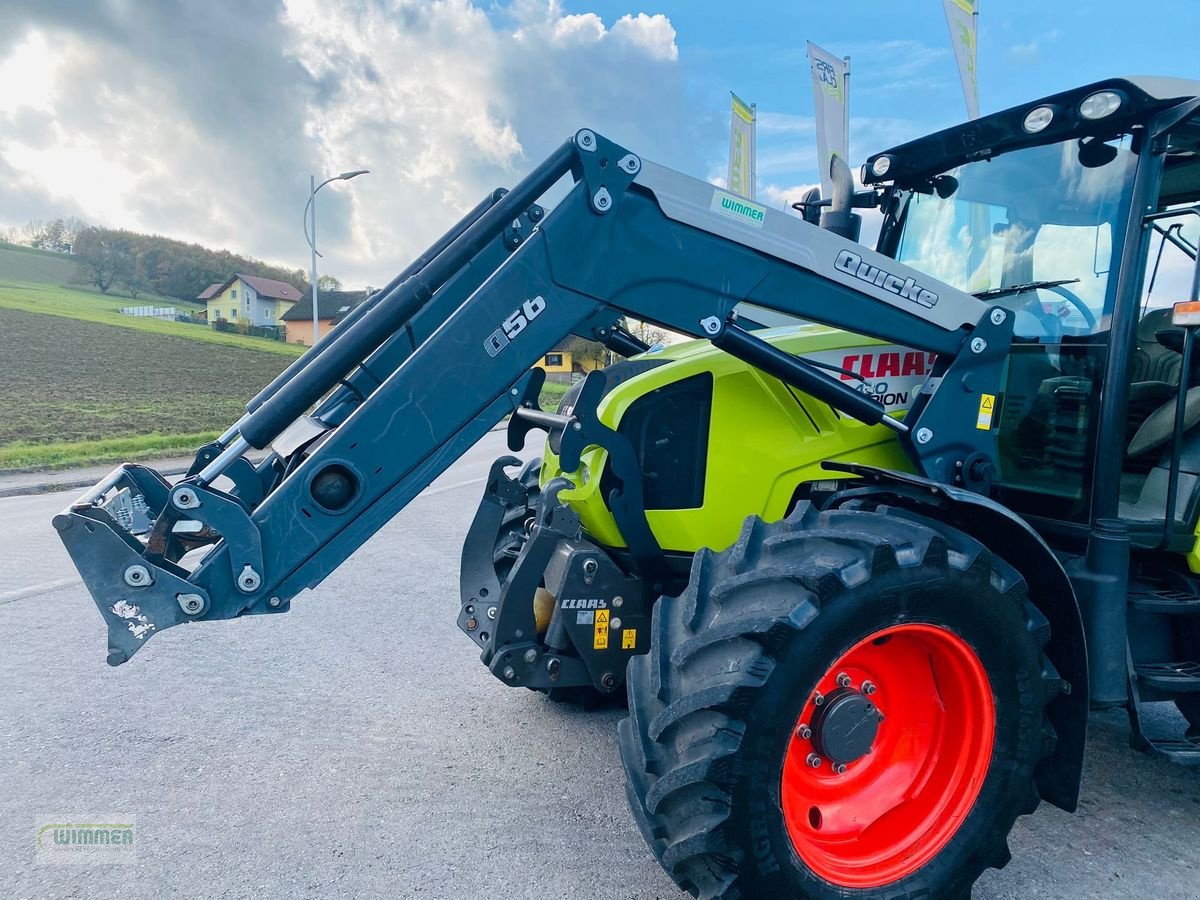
point(809, 206)
point(1095, 154)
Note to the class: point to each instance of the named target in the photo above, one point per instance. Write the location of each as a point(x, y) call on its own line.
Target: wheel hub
point(867, 802)
point(845, 726)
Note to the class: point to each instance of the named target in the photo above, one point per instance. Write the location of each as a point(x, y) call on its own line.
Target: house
point(561, 364)
point(332, 307)
point(250, 300)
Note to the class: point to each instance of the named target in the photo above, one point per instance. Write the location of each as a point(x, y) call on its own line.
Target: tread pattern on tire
point(714, 648)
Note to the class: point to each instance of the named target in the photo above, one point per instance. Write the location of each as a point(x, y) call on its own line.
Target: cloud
point(785, 123)
point(203, 121)
point(1031, 51)
point(1024, 52)
point(783, 197)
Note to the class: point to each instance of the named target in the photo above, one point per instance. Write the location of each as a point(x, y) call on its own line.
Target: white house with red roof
point(248, 299)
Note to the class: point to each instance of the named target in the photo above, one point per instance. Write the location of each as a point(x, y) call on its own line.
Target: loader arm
point(429, 364)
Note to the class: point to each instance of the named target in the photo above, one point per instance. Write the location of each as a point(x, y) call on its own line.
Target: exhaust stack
point(838, 218)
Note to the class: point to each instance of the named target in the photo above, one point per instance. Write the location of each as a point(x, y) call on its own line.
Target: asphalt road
point(357, 748)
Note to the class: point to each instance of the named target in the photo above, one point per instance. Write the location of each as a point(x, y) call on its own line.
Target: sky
point(203, 120)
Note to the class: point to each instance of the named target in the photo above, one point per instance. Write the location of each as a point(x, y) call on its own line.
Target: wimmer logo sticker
point(738, 208)
point(851, 263)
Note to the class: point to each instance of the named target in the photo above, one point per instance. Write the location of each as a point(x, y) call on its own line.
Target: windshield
point(1041, 214)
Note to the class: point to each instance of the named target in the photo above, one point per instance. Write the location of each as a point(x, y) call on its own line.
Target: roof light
point(1100, 104)
point(1038, 118)
point(881, 165)
point(1186, 315)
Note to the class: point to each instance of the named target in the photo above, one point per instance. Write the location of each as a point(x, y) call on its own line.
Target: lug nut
point(818, 699)
point(814, 761)
point(509, 673)
point(869, 688)
point(531, 656)
point(839, 769)
point(843, 680)
point(804, 732)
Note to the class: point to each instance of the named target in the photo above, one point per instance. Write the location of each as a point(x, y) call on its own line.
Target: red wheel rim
point(896, 807)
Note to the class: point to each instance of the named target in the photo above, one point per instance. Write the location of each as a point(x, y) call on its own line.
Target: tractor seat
point(1154, 379)
point(1153, 362)
point(1159, 426)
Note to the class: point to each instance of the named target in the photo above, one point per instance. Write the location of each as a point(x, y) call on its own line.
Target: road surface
point(355, 747)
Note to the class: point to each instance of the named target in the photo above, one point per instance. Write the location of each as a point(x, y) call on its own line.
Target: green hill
point(25, 264)
point(104, 309)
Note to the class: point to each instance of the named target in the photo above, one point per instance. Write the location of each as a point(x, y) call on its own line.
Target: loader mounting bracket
point(570, 434)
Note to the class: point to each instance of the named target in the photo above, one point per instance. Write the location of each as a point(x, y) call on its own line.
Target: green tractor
point(862, 556)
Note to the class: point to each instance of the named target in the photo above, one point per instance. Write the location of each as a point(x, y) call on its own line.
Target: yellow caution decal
point(600, 636)
point(629, 639)
point(987, 405)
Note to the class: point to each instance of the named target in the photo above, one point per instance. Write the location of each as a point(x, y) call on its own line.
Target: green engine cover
point(759, 439)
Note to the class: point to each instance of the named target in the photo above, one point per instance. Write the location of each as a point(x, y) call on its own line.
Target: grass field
point(71, 303)
point(26, 264)
point(84, 384)
point(71, 387)
point(78, 391)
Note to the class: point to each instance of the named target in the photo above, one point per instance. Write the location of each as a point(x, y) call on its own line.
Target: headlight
point(1100, 104)
point(1038, 118)
point(880, 167)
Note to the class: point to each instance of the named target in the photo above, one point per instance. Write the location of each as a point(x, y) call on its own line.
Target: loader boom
point(429, 364)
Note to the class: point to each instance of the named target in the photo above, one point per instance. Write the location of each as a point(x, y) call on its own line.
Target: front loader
point(862, 555)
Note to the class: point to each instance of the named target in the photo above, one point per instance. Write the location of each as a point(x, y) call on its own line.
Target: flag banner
point(741, 148)
point(963, 18)
point(830, 100)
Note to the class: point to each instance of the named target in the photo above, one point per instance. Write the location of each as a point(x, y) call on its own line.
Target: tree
point(646, 332)
point(134, 270)
point(583, 350)
point(99, 256)
point(53, 237)
point(328, 283)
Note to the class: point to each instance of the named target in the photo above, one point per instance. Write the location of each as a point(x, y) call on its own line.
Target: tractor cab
point(1079, 214)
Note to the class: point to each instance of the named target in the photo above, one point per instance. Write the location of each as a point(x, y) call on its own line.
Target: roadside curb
point(65, 481)
point(68, 479)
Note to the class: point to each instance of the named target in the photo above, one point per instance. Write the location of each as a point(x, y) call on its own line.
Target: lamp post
point(311, 237)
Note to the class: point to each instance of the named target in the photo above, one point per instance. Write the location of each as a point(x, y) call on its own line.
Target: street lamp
point(313, 187)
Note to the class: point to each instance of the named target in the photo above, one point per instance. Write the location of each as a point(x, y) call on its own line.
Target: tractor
point(861, 556)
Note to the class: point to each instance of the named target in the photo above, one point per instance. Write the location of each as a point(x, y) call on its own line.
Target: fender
point(1012, 538)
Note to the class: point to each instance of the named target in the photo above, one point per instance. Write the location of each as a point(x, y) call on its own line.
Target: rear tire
point(711, 742)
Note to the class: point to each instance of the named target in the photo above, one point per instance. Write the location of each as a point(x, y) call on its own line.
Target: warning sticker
point(629, 639)
point(600, 634)
point(987, 405)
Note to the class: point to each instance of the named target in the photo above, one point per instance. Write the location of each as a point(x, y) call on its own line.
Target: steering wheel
point(1074, 299)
